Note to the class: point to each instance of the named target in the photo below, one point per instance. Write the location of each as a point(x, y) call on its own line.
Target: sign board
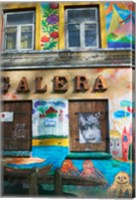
point(6, 116)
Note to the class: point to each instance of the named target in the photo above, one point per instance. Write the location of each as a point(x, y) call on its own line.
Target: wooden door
point(17, 135)
point(79, 109)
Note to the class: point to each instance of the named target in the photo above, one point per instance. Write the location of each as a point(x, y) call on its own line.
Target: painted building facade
point(67, 93)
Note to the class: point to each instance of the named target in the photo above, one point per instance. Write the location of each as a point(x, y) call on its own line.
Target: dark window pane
point(73, 27)
point(26, 37)
point(74, 38)
point(11, 38)
point(90, 35)
point(80, 15)
point(19, 18)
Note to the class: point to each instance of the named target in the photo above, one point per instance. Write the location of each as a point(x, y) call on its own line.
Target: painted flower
point(54, 34)
point(45, 39)
point(53, 19)
point(54, 5)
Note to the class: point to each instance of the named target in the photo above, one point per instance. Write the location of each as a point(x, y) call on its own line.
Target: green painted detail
point(51, 115)
point(130, 152)
point(112, 37)
point(41, 109)
point(16, 153)
point(90, 155)
point(49, 136)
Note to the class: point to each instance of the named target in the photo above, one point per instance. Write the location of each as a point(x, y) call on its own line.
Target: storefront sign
point(60, 84)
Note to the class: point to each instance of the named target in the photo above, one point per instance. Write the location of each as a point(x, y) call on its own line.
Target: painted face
point(68, 164)
point(116, 147)
point(87, 164)
point(91, 134)
point(89, 126)
point(122, 178)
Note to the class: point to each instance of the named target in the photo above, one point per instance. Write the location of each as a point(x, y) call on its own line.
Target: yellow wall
point(61, 41)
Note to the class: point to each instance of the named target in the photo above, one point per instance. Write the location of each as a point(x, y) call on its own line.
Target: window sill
point(66, 50)
point(89, 155)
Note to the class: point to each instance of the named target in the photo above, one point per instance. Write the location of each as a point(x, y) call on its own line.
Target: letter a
point(23, 86)
point(100, 84)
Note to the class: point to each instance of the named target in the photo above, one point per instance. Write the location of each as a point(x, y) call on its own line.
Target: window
point(89, 126)
point(82, 29)
point(19, 30)
point(16, 125)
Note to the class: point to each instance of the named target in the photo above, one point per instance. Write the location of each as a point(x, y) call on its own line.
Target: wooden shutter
point(86, 106)
point(17, 134)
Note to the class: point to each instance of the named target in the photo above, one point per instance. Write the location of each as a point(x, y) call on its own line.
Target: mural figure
point(126, 141)
point(115, 144)
point(89, 128)
point(121, 185)
point(69, 169)
point(90, 170)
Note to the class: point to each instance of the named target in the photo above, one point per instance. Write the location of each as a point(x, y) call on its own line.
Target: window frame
point(18, 33)
point(105, 135)
point(82, 27)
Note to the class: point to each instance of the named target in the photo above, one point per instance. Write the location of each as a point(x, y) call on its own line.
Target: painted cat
point(121, 185)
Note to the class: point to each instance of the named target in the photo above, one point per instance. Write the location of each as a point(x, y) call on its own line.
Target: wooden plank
point(58, 182)
point(20, 128)
point(33, 187)
point(40, 171)
point(43, 170)
point(17, 172)
point(77, 180)
point(86, 106)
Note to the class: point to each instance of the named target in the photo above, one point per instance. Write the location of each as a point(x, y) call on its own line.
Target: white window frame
point(18, 27)
point(82, 28)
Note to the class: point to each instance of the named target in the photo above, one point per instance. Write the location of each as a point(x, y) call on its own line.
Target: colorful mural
point(69, 169)
point(50, 122)
point(86, 177)
point(49, 25)
point(106, 172)
point(121, 186)
point(50, 129)
point(121, 139)
point(120, 24)
point(126, 141)
point(115, 144)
